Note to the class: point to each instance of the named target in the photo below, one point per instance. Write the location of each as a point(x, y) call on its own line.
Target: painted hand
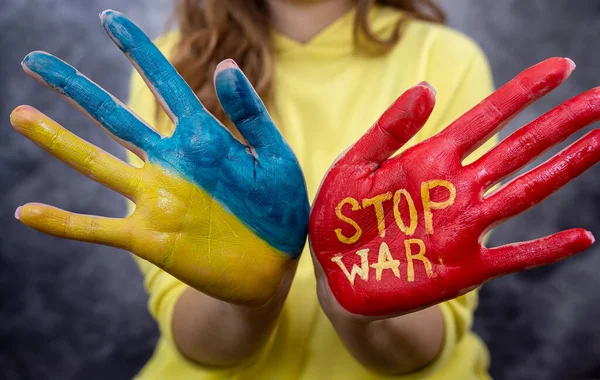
point(394, 235)
point(225, 217)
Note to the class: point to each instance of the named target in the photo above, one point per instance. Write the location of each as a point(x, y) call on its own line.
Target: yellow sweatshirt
point(327, 94)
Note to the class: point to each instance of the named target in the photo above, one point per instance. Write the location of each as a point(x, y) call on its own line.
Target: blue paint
point(245, 109)
point(99, 104)
point(177, 95)
point(267, 193)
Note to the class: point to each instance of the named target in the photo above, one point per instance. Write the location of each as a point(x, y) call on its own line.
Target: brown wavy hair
point(214, 30)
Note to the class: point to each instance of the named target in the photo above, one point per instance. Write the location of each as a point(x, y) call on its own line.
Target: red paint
point(366, 170)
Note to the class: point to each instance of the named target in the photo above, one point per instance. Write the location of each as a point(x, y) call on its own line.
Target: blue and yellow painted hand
point(224, 216)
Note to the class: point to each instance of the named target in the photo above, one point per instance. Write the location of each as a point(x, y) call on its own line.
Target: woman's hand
point(224, 216)
point(396, 235)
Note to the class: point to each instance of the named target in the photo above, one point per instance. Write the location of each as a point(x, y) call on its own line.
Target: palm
point(399, 234)
point(223, 216)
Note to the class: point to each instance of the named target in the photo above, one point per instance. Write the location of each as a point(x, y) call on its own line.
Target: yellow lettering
point(410, 271)
point(412, 211)
point(362, 271)
point(385, 261)
point(429, 205)
point(377, 203)
point(338, 211)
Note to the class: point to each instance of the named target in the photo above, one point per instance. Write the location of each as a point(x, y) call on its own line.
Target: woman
point(229, 216)
point(309, 60)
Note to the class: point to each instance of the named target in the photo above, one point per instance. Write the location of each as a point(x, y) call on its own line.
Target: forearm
point(396, 345)
point(220, 334)
point(215, 333)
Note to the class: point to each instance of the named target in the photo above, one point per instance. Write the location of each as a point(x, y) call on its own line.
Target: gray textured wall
point(542, 324)
point(70, 310)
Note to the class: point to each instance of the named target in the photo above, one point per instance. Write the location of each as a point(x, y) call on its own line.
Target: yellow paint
point(429, 205)
point(412, 212)
point(338, 211)
point(385, 261)
point(362, 271)
point(82, 156)
point(410, 271)
point(462, 355)
point(377, 203)
point(176, 225)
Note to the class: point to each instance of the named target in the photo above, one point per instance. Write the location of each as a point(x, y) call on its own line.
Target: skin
point(383, 296)
point(301, 20)
point(450, 214)
point(212, 325)
point(215, 321)
point(395, 345)
point(232, 234)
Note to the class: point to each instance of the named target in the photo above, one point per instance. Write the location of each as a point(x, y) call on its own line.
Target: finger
point(529, 142)
point(109, 113)
point(245, 109)
point(476, 126)
point(398, 124)
point(68, 225)
point(530, 254)
point(176, 97)
point(82, 156)
point(534, 186)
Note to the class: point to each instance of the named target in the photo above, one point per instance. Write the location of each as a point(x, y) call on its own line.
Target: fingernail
point(426, 84)
point(18, 213)
point(227, 64)
point(105, 12)
point(591, 236)
point(571, 63)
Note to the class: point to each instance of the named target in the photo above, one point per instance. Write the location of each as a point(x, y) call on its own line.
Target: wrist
point(265, 312)
point(336, 313)
point(389, 345)
point(273, 306)
point(392, 346)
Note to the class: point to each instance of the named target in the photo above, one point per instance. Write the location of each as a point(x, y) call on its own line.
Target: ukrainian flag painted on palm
point(225, 217)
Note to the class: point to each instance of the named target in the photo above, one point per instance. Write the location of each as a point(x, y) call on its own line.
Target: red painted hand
point(394, 235)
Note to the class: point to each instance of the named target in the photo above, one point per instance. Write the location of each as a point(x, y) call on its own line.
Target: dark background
point(70, 310)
